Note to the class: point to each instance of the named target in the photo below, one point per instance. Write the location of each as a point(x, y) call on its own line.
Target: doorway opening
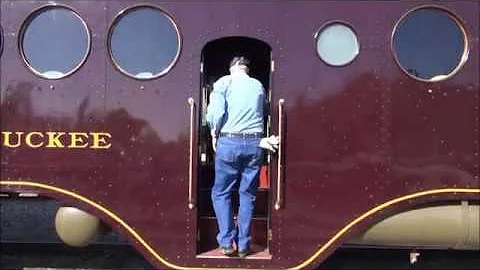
point(216, 56)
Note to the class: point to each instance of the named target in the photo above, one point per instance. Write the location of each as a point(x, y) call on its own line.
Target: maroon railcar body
point(356, 146)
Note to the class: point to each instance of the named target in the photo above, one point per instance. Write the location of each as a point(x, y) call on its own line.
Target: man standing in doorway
point(235, 116)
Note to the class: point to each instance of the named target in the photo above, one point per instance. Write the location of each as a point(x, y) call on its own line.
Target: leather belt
point(241, 134)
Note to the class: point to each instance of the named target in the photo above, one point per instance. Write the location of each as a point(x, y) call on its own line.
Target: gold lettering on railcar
point(6, 139)
point(28, 139)
point(56, 139)
point(100, 141)
point(77, 137)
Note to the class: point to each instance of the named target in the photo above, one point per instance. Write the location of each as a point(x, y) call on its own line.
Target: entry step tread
point(257, 253)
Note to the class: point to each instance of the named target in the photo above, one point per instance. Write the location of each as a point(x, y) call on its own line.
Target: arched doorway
point(216, 56)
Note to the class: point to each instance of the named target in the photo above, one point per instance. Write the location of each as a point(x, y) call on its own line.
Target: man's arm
point(216, 108)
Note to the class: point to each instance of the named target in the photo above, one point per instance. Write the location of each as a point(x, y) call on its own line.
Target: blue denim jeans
point(236, 159)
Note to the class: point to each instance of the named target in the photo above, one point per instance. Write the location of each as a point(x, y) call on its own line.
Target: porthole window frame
point(461, 26)
point(26, 22)
point(119, 16)
point(1, 41)
point(330, 23)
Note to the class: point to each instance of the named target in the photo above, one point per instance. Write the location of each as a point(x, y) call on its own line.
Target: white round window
point(337, 44)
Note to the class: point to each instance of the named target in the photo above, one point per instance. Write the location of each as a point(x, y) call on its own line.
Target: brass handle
point(278, 201)
point(191, 204)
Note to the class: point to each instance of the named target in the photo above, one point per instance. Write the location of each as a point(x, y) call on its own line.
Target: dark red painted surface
point(354, 138)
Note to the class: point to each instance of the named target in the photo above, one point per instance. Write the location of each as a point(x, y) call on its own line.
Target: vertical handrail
point(278, 201)
point(191, 204)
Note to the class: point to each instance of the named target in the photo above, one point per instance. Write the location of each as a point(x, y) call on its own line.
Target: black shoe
point(243, 253)
point(228, 251)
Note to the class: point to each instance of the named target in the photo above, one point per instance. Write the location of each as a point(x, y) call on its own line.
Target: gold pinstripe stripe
point(300, 266)
point(378, 208)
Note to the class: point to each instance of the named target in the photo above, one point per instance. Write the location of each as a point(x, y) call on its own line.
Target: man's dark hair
point(239, 60)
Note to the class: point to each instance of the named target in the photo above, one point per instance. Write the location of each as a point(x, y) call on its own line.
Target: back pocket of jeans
point(226, 153)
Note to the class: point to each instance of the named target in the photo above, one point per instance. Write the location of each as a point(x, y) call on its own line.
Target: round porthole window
point(54, 42)
point(429, 44)
point(337, 44)
point(144, 42)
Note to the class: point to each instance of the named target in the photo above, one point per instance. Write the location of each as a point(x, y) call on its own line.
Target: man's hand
point(269, 143)
point(214, 143)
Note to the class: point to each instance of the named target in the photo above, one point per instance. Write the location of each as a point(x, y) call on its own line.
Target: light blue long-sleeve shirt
point(236, 105)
